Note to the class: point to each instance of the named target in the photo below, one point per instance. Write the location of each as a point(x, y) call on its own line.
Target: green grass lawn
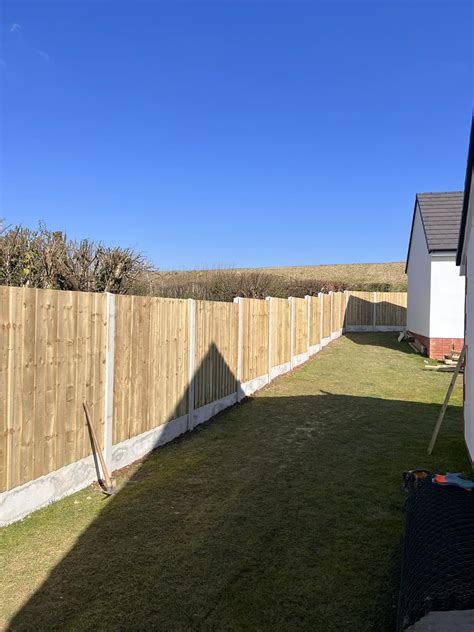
point(284, 513)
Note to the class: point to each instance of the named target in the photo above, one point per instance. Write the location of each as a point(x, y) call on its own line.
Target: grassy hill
point(224, 284)
point(357, 273)
point(353, 274)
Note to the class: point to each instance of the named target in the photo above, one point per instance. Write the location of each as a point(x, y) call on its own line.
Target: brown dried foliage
point(48, 259)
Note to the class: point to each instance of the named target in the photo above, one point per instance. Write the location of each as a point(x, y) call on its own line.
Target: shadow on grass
point(377, 340)
point(283, 513)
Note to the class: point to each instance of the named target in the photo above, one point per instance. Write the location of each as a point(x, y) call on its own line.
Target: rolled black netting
point(438, 557)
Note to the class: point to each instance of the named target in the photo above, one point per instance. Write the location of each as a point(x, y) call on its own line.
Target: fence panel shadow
point(371, 310)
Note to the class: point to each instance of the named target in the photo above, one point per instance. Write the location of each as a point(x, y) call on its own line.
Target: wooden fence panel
point(281, 343)
point(254, 350)
point(4, 377)
point(391, 308)
point(52, 353)
point(360, 309)
point(314, 320)
point(336, 312)
point(215, 351)
point(326, 315)
point(151, 363)
point(300, 326)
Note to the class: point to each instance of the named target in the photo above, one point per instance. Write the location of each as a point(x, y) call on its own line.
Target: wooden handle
point(107, 479)
point(446, 401)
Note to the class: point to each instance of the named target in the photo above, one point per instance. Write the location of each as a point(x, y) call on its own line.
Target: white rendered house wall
point(447, 298)
point(469, 331)
point(469, 341)
point(419, 281)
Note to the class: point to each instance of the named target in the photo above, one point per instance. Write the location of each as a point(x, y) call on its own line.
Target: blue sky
point(234, 133)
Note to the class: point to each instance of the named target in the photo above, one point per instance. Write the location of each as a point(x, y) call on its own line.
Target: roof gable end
point(441, 217)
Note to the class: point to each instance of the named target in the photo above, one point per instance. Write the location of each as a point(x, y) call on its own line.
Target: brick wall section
point(436, 348)
point(440, 346)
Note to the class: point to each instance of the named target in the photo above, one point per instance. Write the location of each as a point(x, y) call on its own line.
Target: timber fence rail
point(149, 369)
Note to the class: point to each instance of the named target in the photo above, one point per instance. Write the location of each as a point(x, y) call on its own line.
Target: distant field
point(351, 274)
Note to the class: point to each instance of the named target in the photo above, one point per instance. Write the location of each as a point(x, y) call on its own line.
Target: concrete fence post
point(374, 299)
point(344, 315)
point(307, 298)
point(292, 330)
point(321, 316)
point(341, 296)
point(191, 360)
point(270, 325)
point(109, 380)
point(240, 330)
point(331, 305)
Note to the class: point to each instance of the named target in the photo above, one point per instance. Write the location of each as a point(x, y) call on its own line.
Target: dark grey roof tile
point(441, 216)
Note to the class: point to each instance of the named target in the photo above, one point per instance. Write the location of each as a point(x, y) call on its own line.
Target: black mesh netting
point(438, 556)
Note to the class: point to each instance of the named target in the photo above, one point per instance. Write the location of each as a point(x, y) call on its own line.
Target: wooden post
point(109, 380)
point(446, 400)
point(240, 325)
point(191, 360)
point(107, 484)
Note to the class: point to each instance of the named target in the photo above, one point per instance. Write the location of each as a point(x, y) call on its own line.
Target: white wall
point(447, 298)
point(419, 272)
point(469, 334)
point(435, 302)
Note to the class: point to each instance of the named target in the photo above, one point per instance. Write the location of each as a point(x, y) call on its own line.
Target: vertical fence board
point(27, 393)
point(280, 331)
point(70, 376)
point(215, 351)
point(391, 308)
point(314, 320)
point(39, 416)
point(59, 380)
point(255, 338)
point(336, 311)
point(326, 315)
point(151, 364)
point(360, 309)
point(14, 386)
point(300, 325)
